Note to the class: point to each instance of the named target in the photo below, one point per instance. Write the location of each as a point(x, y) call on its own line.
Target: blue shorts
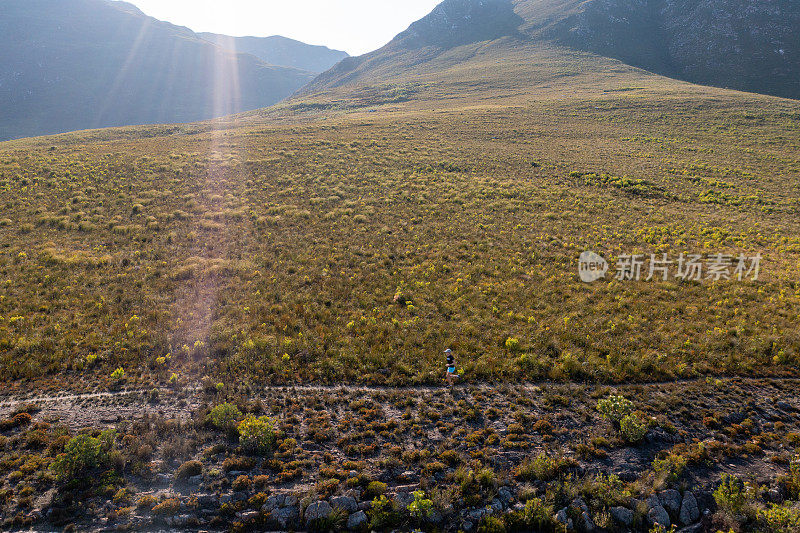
point(451, 370)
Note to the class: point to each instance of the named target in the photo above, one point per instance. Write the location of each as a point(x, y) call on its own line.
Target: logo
point(591, 267)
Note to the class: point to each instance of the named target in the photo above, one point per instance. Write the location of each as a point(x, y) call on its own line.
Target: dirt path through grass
point(110, 407)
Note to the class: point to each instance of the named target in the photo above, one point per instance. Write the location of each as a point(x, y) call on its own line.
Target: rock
point(775, 495)
point(496, 506)
point(505, 496)
point(586, 521)
point(364, 506)
point(273, 502)
point(162, 479)
point(435, 517)
point(690, 512)
point(207, 501)
point(671, 501)
point(622, 515)
point(564, 519)
point(783, 406)
point(408, 477)
point(248, 515)
point(195, 480)
point(653, 501)
point(696, 528)
point(734, 418)
point(347, 503)
point(290, 500)
point(659, 515)
point(579, 504)
point(476, 514)
point(286, 517)
point(468, 526)
point(356, 520)
point(318, 510)
point(403, 499)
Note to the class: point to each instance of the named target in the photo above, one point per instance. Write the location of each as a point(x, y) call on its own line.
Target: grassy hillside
point(352, 236)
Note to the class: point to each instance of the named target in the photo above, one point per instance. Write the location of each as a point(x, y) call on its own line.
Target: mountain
point(749, 45)
point(277, 50)
point(76, 64)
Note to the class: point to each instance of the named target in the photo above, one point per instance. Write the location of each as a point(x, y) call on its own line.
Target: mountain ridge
point(748, 45)
point(93, 63)
point(279, 50)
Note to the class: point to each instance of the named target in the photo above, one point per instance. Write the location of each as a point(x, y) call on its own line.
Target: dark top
point(451, 361)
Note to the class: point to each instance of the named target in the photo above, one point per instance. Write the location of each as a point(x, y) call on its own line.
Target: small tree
point(82, 454)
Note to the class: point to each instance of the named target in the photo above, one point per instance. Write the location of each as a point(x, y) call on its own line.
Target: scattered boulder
point(348, 503)
point(587, 522)
point(357, 520)
point(622, 516)
point(403, 499)
point(579, 504)
point(207, 501)
point(690, 512)
point(563, 518)
point(408, 477)
point(318, 511)
point(505, 496)
point(273, 502)
point(659, 515)
point(286, 517)
point(671, 501)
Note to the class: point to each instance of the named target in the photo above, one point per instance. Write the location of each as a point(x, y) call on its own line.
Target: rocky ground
point(487, 458)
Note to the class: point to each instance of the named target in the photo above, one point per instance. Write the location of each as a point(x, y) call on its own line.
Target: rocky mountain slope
point(76, 64)
point(278, 50)
point(750, 45)
point(739, 44)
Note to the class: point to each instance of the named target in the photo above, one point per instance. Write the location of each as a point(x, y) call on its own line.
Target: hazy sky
point(355, 26)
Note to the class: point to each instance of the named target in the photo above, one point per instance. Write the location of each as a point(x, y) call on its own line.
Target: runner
point(450, 375)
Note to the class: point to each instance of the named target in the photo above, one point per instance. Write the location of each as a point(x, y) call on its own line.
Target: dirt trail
point(107, 408)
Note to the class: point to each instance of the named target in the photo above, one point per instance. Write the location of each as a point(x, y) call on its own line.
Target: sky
point(355, 26)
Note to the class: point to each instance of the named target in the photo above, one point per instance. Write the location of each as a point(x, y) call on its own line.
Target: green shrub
point(730, 495)
point(225, 416)
point(541, 468)
point(631, 429)
point(536, 516)
point(421, 507)
point(83, 454)
point(383, 514)
point(780, 518)
point(189, 469)
point(615, 408)
point(168, 507)
point(375, 489)
point(257, 435)
point(671, 468)
point(512, 344)
point(492, 524)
